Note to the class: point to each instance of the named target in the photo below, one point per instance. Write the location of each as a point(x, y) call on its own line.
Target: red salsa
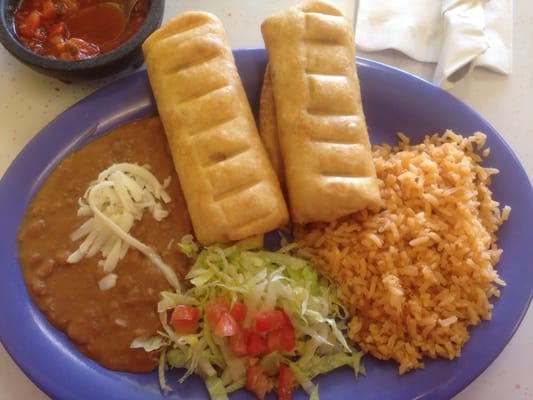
point(75, 29)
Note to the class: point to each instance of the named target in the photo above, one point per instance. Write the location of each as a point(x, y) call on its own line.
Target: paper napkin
point(457, 35)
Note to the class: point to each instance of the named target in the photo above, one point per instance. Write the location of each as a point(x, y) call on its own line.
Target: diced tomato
point(49, 9)
point(256, 344)
point(238, 343)
point(282, 339)
point(184, 318)
point(238, 310)
point(274, 341)
point(257, 381)
point(68, 7)
point(285, 381)
point(226, 325)
point(58, 29)
point(266, 321)
point(215, 309)
point(30, 26)
point(57, 40)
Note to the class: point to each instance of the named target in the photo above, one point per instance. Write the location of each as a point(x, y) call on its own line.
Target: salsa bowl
point(127, 55)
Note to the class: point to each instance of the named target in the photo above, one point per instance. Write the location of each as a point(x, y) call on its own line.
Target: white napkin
point(456, 34)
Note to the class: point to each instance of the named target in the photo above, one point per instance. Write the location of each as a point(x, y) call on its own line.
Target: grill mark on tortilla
point(209, 49)
point(198, 96)
point(236, 190)
point(223, 156)
point(323, 28)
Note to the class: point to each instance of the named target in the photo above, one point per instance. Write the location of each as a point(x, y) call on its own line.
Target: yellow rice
point(416, 273)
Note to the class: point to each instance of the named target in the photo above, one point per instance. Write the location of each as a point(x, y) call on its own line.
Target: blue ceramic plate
point(393, 101)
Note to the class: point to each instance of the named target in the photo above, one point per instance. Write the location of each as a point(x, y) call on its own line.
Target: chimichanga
point(229, 185)
point(268, 126)
point(323, 137)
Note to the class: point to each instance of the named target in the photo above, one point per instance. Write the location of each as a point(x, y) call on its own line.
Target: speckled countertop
point(28, 101)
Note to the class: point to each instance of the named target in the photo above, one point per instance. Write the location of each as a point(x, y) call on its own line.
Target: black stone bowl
point(127, 56)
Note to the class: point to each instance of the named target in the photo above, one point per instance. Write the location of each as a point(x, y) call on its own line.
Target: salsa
point(75, 29)
point(103, 323)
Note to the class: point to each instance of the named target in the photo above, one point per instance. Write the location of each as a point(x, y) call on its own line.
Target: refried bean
point(102, 324)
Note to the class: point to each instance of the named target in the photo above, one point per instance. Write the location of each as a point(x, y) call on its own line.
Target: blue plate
point(393, 101)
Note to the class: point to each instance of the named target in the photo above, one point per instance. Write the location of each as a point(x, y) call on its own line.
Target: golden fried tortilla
point(323, 136)
point(231, 189)
point(268, 126)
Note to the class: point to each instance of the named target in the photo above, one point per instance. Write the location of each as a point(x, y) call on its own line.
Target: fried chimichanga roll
point(323, 137)
point(230, 187)
point(268, 126)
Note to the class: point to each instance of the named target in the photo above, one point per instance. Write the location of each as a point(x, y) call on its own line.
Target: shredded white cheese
point(113, 203)
point(107, 282)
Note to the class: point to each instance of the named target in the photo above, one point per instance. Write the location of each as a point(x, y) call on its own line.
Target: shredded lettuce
point(262, 280)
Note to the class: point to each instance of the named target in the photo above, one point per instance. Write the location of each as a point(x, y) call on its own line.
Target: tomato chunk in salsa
point(75, 29)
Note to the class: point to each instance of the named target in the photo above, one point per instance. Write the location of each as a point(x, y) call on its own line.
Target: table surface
point(29, 101)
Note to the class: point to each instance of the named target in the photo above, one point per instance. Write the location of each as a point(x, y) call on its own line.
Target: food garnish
point(264, 320)
point(112, 203)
